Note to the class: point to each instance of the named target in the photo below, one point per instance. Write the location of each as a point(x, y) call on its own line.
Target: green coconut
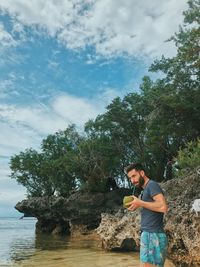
point(127, 201)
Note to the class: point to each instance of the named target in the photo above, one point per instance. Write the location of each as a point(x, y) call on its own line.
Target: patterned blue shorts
point(153, 248)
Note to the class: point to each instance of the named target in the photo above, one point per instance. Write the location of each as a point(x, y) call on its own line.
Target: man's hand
point(158, 204)
point(135, 204)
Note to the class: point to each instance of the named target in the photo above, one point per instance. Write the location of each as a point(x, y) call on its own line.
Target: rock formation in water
point(118, 228)
point(82, 210)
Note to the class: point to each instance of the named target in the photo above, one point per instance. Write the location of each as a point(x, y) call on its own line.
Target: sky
point(64, 61)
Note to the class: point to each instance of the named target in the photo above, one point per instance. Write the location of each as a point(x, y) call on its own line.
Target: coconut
point(127, 201)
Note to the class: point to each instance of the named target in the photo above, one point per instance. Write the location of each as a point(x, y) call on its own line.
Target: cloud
point(112, 27)
point(6, 39)
point(75, 110)
point(7, 86)
point(36, 117)
point(24, 127)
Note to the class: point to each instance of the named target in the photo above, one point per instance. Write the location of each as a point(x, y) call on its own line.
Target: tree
point(60, 150)
point(32, 170)
point(50, 171)
point(175, 120)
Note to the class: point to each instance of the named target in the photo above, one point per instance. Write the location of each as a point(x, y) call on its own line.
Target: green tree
point(175, 116)
point(96, 161)
point(32, 170)
point(189, 157)
point(60, 150)
point(50, 171)
point(180, 94)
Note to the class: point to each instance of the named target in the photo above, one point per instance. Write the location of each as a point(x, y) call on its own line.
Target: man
point(153, 243)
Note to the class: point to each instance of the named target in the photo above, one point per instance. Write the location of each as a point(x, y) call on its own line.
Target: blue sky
point(63, 61)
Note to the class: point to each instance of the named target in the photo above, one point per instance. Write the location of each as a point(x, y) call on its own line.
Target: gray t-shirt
point(151, 221)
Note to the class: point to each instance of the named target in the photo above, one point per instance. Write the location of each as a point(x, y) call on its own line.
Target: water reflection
point(21, 247)
point(50, 242)
point(47, 250)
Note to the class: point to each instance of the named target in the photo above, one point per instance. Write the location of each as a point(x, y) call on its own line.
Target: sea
point(21, 246)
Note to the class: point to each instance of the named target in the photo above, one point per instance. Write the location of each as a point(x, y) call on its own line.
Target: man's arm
point(159, 204)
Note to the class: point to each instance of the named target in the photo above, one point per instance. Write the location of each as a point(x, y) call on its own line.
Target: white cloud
point(13, 138)
point(113, 27)
point(7, 86)
point(24, 127)
point(37, 118)
point(109, 94)
point(75, 110)
point(6, 39)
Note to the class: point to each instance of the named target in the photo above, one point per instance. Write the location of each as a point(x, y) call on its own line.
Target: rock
point(52, 226)
point(120, 231)
point(81, 208)
point(181, 224)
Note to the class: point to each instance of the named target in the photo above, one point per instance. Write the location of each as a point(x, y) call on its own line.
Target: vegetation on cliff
point(151, 126)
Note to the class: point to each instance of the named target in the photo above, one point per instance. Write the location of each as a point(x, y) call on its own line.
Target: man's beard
point(140, 182)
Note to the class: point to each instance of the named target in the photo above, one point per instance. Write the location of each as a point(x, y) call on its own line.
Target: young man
point(153, 243)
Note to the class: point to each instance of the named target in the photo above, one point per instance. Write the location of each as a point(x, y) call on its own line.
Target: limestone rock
point(183, 224)
point(120, 231)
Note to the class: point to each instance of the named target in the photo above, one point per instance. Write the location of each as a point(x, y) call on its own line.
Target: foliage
point(97, 160)
point(28, 167)
point(50, 171)
point(189, 157)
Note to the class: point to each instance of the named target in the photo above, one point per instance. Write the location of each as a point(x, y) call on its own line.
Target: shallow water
point(19, 246)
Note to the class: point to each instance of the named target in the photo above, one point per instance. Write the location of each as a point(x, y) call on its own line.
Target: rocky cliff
point(117, 228)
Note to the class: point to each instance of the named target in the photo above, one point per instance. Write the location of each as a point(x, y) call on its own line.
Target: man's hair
point(132, 166)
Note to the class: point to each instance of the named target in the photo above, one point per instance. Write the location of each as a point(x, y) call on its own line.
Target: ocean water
point(20, 246)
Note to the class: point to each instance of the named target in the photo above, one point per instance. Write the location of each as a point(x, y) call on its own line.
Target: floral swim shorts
point(153, 248)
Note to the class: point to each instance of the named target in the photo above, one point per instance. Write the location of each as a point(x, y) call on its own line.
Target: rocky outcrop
point(63, 215)
point(120, 231)
point(182, 224)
